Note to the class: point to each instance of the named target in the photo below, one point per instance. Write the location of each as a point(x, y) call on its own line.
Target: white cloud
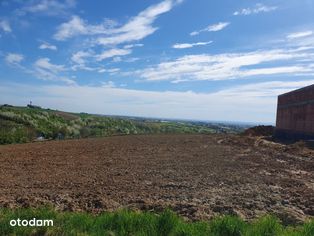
point(5, 26)
point(77, 26)
point(257, 9)
point(264, 89)
point(45, 70)
point(112, 70)
point(82, 59)
point(110, 33)
point(300, 34)
point(49, 46)
point(139, 26)
point(217, 27)
point(117, 59)
point(79, 57)
point(109, 84)
point(48, 7)
point(190, 45)
point(113, 53)
point(129, 60)
point(253, 102)
point(128, 46)
point(211, 28)
point(44, 63)
point(230, 65)
point(14, 58)
point(42, 68)
point(102, 70)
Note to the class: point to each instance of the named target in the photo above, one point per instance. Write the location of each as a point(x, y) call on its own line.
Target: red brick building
point(295, 114)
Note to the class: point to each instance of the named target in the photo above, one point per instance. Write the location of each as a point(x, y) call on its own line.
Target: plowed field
point(198, 176)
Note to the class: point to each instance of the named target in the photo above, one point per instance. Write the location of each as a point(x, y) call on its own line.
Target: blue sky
point(191, 59)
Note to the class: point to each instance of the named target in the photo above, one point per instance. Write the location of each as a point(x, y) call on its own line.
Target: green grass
point(125, 222)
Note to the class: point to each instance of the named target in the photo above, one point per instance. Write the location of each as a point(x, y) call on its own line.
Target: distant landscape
point(33, 123)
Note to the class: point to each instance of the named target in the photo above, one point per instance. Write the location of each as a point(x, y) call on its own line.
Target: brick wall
point(295, 112)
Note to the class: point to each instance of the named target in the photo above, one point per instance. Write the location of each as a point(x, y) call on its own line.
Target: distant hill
point(27, 124)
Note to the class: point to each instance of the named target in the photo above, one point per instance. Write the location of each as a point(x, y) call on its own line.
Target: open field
point(197, 176)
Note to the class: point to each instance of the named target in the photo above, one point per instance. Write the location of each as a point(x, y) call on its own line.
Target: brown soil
point(261, 130)
point(198, 176)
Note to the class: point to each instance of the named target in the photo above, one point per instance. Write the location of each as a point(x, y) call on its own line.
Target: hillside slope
point(25, 124)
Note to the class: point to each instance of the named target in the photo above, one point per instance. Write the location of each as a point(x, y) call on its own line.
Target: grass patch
point(125, 222)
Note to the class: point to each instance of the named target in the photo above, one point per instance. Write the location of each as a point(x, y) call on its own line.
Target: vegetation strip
point(26, 124)
point(126, 222)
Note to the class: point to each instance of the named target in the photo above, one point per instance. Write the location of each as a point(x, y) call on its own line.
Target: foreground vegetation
point(144, 223)
point(25, 124)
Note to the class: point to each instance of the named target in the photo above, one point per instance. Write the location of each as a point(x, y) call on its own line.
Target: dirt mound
point(198, 176)
point(261, 130)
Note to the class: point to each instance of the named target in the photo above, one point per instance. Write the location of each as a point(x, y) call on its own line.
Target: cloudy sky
point(192, 59)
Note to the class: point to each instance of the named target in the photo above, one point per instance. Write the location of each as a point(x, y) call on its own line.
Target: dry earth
point(198, 176)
